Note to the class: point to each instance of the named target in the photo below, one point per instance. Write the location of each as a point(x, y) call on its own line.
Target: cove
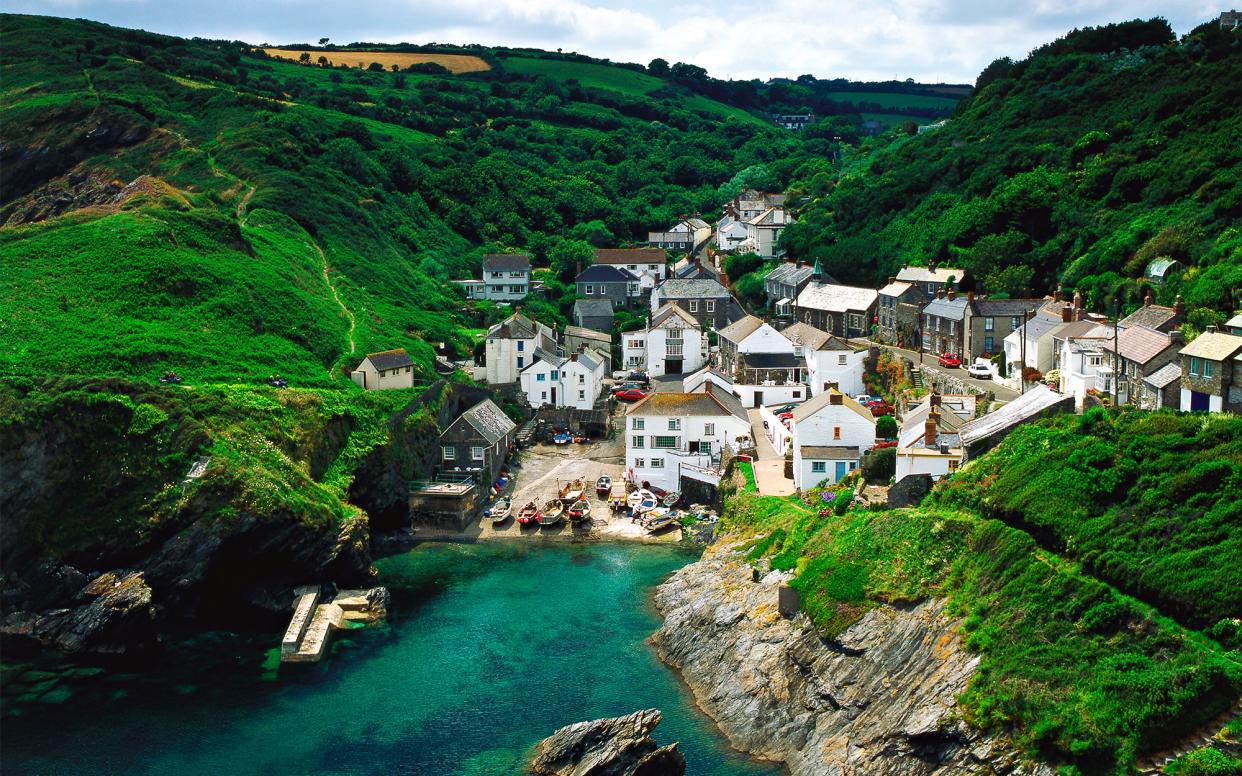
point(488, 648)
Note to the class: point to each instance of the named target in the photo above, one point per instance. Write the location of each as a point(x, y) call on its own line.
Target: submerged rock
point(619, 746)
point(878, 699)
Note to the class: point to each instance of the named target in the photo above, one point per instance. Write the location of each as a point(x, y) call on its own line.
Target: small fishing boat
point(573, 491)
point(500, 511)
point(580, 511)
point(529, 514)
point(659, 523)
point(603, 486)
point(617, 497)
point(562, 439)
point(551, 512)
point(670, 499)
point(641, 501)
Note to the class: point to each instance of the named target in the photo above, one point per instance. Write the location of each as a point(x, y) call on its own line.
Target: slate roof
point(1213, 345)
point(896, 288)
point(1036, 328)
point(816, 453)
point(1083, 329)
point(1164, 376)
point(390, 359)
point(670, 309)
point(996, 308)
point(1235, 322)
point(516, 326)
point(1023, 408)
point(677, 288)
point(690, 269)
point(593, 308)
point(696, 223)
point(630, 256)
point(1138, 344)
point(925, 275)
point(711, 402)
point(949, 309)
point(487, 419)
point(789, 272)
point(913, 426)
point(741, 329)
point(587, 359)
point(770, 360)
point(506, 262)
point(604, 273)
point(583, 333)
point(837, 299)
point(811, 406)
point(1153, 316)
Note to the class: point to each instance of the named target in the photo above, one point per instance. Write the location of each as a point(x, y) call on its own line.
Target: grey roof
point(992, 308)
point(835, 298)
point(584, 333)
point(770, 360)
point(1138, 344)
point(516, 326)
point(831, 453)
point(697, 223)
point(1235, 322)
point(506, 262)
point(593, 308)
point(390, 359)
point(688, 269)
point(487, 419)
point(1084, 328)
point(1213, 345)
point(896, 288)
point(741, 329)
point(913, 426)
point(950, 309)
point(668, 310)
point(926, 275)
point(814, 405)
point(789, 272)
point(586, 359)
point(606, 273)
point(1025, 407)
point(544, 355)
point(1153, 316)
point(1035, 328)
point(815, 339)
point(703, 288)
point(1162, 377)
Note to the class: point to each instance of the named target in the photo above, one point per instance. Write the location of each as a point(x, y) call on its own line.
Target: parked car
point(980, 370)
point(880, 408)
point(631, 394)
point(864, 399)
point(639, 377)
point(885, 443)
point(628, 386)
point(949, 359)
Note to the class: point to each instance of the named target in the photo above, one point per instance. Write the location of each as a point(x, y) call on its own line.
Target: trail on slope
point(327, 278)
point(241, 207)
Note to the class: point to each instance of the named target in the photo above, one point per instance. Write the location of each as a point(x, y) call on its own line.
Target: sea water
point(487, 650)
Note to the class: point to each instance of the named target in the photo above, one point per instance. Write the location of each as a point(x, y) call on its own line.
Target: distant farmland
point(456, 63)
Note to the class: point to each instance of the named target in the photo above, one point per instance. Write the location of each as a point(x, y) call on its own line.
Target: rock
point(119, 619)
point(620, 746)
point(878, 699)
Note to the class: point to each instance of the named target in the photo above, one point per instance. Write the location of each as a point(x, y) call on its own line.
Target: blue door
point(1199, 401)
point(840, 471)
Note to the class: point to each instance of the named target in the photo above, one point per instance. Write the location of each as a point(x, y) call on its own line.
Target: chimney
point(892, 279)
point(573, 356)
point(940, 293)
point(1147, 299)
point(1067, 313)
point(931, 266)
point(836, 398)
point(950, 294)
point(1077, 299)
point(1179, 306)
point(929, 428)
point(1209, 329)
point(970, 297)
point(934, 399)
point(1057, 295)
point(1176, 337)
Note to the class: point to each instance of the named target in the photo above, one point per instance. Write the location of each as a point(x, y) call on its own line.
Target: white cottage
point(385, 370)
point(830, 434)
point(555, 381)
point(674, 342)
point(829, 360)
point(669, 436)
point(511, 344)
point(928, 442)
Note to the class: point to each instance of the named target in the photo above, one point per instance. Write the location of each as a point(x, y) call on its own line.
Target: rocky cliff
point(879, 699)
point(619, 746)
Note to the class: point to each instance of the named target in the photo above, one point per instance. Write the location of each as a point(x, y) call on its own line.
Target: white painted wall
point(773, 395)
point(368, 377)
point(576, 385)
point(820, 430)
point(641, 453)
point(1215, 403)
point(824, 366)
point(634, 349)
point(780, 435)
point(765, 339)
point(692, 340)
point(935, 465)
point(506, 358)
point(804, 472)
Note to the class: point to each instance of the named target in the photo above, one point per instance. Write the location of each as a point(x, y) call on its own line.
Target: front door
point(554, 404)
point(1199, 401)
point(840, 471)
point(758, 398)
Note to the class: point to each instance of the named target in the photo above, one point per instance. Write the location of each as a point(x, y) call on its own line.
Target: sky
point(927, 40)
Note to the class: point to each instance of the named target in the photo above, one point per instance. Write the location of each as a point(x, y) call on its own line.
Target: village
point(629, 433)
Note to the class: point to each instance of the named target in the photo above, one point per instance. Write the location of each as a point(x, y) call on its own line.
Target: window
point(633, 266)
point(1094, 360)
point(1207, 368)
point(556, 375)
point(521, 361)
point(953, 462)
point(856, 321)
point(836, 432)
point(638, 441)
point(590, 290)
point(842, 360)
point(988, 342)
point(476, 453)
point(1015, 321)
point(639, 424)
point(521, 346)
point(581, 394)
point(711, 305)
point(539, 378)
point(675, 334)
point(674, 424)
point(694, 305)
point(664, 442)
point(543, 395)
point(640, 463)
point(517, 289)
point(953, 327)
point(498, 274)
point(709, 429)
point(1194, 366)
point(926, 321)
point(450, 453)
point(797, 394)
point(657, 463)
point(819, 467)
point(581, 379)
point(989, 324)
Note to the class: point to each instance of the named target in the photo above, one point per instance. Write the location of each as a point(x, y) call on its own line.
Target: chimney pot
point(1056, 295)
point(950, 294)
point(1176, 337)
point(970, 297)
point(836, 398)
point(1210, 329)
point(1067, 313)
point(929, 430)
point(1147, 299)
point(1179, 306)
point(940, 293)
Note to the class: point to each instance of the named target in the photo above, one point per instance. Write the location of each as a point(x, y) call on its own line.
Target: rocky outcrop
point(878, 699)
point(619, 746)
point(119, 618)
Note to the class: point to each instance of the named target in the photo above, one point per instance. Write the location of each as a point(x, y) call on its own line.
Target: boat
point(580, 511)
point(500, 511)
point(551, 512)
point(671, 499)
point(561, 439)
point(529, 514)
point(573, 491)
point(603, 486)
point(642, 500)
point(617, 497)
point(658, 523)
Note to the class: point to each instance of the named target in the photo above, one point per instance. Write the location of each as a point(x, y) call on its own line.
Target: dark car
point(949, 359)
point(631, 394)
point(639, 377)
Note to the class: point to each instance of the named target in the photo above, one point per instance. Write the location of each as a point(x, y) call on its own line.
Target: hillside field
point(456, 63)
point(895, 100)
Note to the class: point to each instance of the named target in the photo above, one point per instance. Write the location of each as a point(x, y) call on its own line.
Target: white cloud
point(929, 40)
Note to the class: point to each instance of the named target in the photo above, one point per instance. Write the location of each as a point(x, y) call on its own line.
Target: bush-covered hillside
point(1083, 662)
point(200, 207)
point(1077, 165)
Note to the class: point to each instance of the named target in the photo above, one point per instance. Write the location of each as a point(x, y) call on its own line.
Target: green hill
point(200, 207)
point(1078, 165)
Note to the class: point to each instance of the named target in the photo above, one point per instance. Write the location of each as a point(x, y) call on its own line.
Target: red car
point(880, 408)
point(630, 394)
point(885, 443)
point(949, 359)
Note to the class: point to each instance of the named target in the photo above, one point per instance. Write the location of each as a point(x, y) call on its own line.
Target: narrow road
point(328, 279)
point(769, 467)
point(1001, 392)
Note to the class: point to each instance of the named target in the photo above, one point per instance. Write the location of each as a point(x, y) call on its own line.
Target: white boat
point(642, 500)
point(500, 511)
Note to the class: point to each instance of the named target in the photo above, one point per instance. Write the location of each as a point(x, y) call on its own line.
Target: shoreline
point(617, 530)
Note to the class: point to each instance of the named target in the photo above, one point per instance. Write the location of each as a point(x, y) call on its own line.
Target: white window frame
point(694, 305)
point(476, 453)
point(640, 463)
point(657, 463)
point(640, 424)
point(590, 290)
point(448, 453)
point(819, 467)
point(709, 429)
point(664, 443)
point(843, 360)
point(638, 441)
point(711, 305)
point(674, 424)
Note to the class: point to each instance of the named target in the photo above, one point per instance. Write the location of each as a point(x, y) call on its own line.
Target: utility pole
point(1022, 349)
point(1116, 348)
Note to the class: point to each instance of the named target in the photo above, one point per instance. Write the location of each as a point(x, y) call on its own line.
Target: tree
point(567, 256)
point(305, 58)
point(323, 41)
point(886, 427)
point(323, 61)
point(880, 465)
point(658, 67)
point(594, 232)
point(375, 67)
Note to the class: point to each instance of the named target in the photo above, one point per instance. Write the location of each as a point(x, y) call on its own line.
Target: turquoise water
point(488, 650)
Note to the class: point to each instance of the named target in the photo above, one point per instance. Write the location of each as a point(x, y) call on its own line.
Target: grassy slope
point(1082, 674)
point(895, 99)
